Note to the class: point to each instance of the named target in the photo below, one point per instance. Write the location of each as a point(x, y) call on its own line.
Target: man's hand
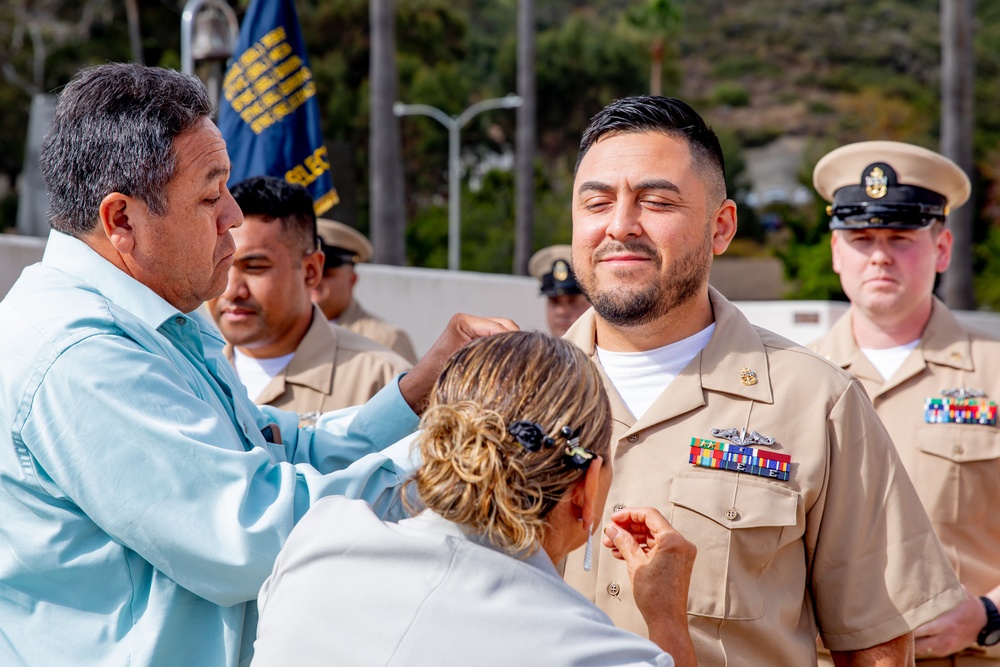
point(659, 562)
point(952, 631)
point(417, 384)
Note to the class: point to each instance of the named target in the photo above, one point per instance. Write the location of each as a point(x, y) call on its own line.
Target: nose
point(625, 222)
point(236, 287)
point(880, 254)
point(231, 216)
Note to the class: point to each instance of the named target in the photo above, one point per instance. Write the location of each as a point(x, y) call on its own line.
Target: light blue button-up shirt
point(140, 506)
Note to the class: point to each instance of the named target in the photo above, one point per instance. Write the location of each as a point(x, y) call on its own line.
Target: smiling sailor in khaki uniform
point(285, 351)
point(345, 247)
point(934, 383)
point(769, 459)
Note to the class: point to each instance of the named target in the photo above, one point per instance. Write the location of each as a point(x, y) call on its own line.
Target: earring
point(588, 555)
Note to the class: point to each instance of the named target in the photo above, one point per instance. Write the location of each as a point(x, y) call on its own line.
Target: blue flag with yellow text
point(268, 113)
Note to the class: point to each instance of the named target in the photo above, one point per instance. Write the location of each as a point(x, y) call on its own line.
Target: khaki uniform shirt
point(836, 549)
point(357, 319)
point(332, 369)
point(955, 467)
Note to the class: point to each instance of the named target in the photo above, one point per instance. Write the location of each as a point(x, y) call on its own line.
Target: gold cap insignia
point(876, 183)
point(560, 270)
point(748, 377)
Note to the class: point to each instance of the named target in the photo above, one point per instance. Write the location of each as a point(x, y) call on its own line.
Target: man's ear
point(312, 268)
point(354, 276)
point(118, 214)
point(943, 243)
point(834, 257)
point(724, 227)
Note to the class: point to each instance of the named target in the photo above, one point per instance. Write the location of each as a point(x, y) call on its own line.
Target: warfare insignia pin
point(748, 377)
point(740, 436)
point(962, 393)
point(560, 270)
point(876, 183)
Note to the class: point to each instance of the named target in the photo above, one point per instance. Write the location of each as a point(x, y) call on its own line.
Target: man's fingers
point(472, 327)
point(461, 329)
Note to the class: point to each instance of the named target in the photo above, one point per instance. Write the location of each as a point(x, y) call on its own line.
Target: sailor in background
point(934, 383)
point(344, 247)
point(564, 300)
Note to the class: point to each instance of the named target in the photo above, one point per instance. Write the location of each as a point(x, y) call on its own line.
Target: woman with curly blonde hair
point(513, 475)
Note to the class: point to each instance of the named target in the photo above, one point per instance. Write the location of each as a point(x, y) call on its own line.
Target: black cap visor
point(863, 215)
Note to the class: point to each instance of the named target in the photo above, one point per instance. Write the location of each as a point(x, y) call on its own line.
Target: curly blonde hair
point(474, 472)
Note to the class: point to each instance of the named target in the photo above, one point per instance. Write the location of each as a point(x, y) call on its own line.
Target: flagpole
point(454, 125)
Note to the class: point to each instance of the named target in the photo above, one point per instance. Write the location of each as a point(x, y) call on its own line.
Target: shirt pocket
point(737, 527)
point(958, 471)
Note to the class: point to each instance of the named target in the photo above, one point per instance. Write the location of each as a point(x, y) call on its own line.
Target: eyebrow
point(214, 173)
point(652, 184)
point(253, 257)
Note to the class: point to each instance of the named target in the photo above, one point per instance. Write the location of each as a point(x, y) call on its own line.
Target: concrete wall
point(423, 300)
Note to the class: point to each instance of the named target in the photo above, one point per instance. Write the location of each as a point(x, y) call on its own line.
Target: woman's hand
point(659, 562)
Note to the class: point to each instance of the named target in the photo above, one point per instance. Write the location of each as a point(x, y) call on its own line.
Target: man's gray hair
point(113, 131)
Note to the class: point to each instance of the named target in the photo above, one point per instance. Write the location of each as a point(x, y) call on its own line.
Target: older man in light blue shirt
point(143, 496)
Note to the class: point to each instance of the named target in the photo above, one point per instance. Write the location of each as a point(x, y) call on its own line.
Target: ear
point(312, 265)
point(943, 244)
point(118, 214)
point(354, 276)
point(584, 495)
point(724, 227)
point(834, 240)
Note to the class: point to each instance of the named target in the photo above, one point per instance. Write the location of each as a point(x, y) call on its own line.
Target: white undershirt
point(888, 360)
point(640, 377)
point(256, 373)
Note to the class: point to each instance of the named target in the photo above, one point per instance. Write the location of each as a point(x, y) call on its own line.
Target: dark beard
point(635, 307)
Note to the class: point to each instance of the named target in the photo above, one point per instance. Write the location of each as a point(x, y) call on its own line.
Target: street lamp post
point(454, 124)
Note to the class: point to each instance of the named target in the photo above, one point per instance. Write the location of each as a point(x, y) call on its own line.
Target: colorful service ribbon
point(960, 411)
point(739, 458)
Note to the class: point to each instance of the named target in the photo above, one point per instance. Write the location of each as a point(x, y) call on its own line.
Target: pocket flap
point(960, 442)
point(755, 504)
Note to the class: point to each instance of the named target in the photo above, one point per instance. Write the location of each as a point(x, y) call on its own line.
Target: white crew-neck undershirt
point(888, 360)
point(256, 373)
point(640, 377)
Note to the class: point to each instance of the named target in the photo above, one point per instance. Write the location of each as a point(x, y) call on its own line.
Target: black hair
point(275, 198)
point(666, 115)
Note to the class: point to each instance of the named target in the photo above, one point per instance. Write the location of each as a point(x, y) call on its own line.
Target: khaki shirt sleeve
point(877, 570)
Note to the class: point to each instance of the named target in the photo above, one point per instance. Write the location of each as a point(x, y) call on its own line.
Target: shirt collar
point(944, 340)
point(315, 360)
point(75, 258)
point(432, 522)
point(735, 345)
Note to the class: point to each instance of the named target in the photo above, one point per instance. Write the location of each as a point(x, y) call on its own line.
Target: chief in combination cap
point(344, 247)
point(342, 244)
point(565, 302)
point(889, 185)
point(934, 383)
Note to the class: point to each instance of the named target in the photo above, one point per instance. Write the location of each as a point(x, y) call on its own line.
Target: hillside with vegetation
point(825, 72)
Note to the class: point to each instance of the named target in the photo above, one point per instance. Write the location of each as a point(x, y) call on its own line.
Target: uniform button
point(958, 449)
point(632, 438)
point(619, 507)
point(956, 356)
point(614, 589)
point(179, 320)
point(731, 513)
